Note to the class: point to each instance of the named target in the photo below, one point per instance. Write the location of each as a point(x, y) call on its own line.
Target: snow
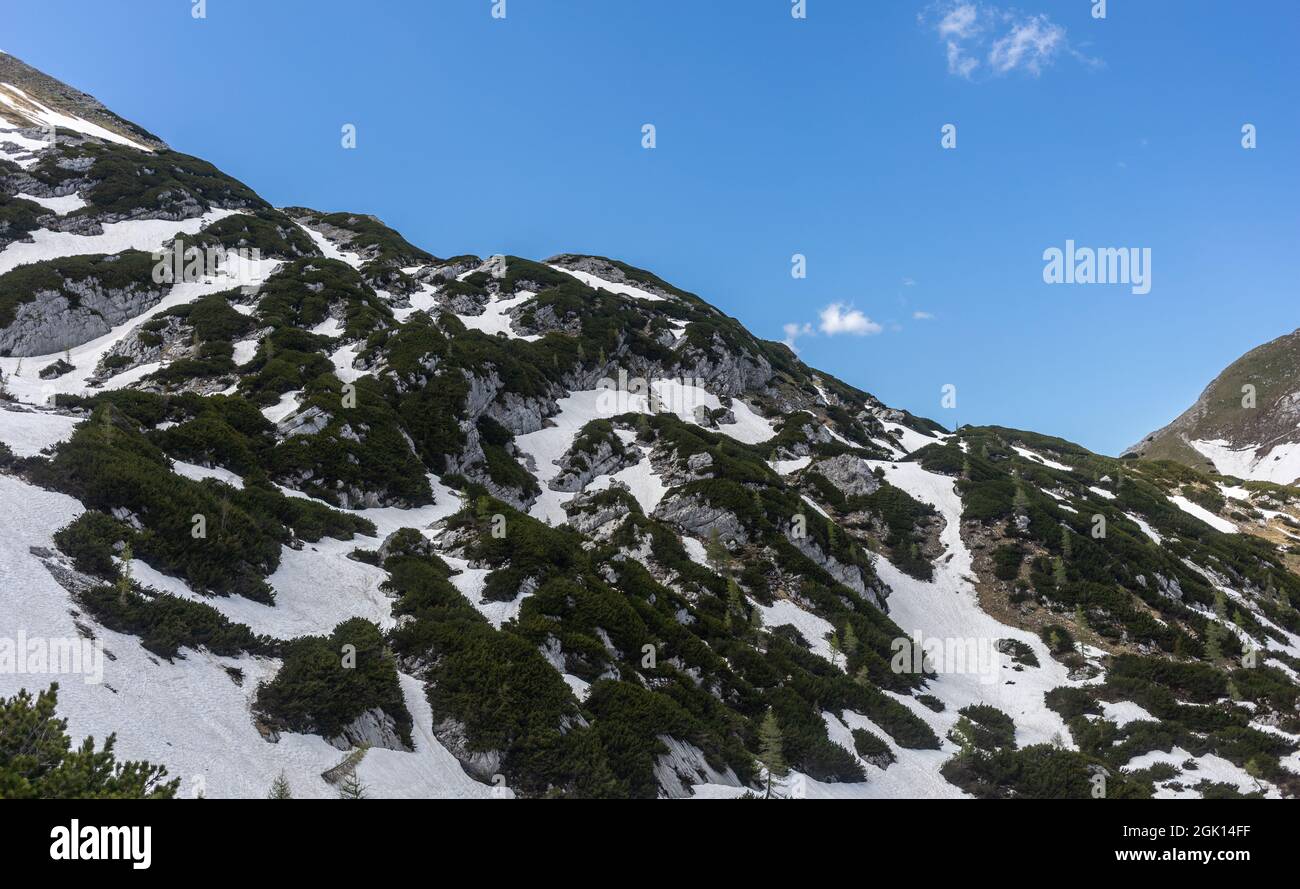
point(645, 484)
point(496, 319)
point(332, 251)
point(1146, 527)
point(342, 358)
point(946, 611)
point(1123, 712)
point(137, 234)
point(1039, 458)
point(431, 772)
point(40, 114)
point(287, 404)
point(1279, 463)
point(814, 629)
point(600, 283)
point(1200, 512)
point(244, 351)
point(785, 467)
point(910, 439)
point(914, 774)
point(190, 714)
point(423, 301)
point(695, 549)
point(548, 444)
point(28, 388)
point(817, 508)
point(581, 688)
point(1209, 767)
point(329, 327)
point(27, 433)
point(60, 205)
point(1101, 492)
point(199, 473)
point(470, 583)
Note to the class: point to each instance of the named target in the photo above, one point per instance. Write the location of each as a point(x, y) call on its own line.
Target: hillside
point(342, 511)
point(1247, 421)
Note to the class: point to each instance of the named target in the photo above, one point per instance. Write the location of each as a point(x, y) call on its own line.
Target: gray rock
point(52, 322)
point(849, 474)
point(374, 728)
point(700, 518)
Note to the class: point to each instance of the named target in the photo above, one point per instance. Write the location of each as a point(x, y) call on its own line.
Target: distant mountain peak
point(1247, 421)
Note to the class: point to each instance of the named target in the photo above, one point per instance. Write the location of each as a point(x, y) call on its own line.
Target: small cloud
point(981, 36)
point(793, 332)
point(909, 282)
point(838, 318)
point(1030, 45)
point(918, 315)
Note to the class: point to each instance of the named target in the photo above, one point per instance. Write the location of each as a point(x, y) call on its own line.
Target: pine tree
point(715, 552)
point(352, 788)
point(836, 647)
point(850, 641)
point(280, 788)
point(1020, 500)
point(124, 574)
point(1213, 650)
point(1058, 572)
point(963, 735)
point(771, 749)
point(1255, 771)
point(38, 759)
point(756, 624)
point(1220, 605)
point(735, 605)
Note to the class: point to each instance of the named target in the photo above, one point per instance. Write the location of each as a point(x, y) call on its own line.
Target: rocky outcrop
point(598, 514)
point(578, 468)
point(374, 728)
point(481, 764)
point(675, 471)
point(849, 575)
point(55, 320)
point(851, 475)
point(169, 340)
point(683, 765)
point(700, 518)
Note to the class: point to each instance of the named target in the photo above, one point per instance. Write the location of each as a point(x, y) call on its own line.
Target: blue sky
point(778, 136)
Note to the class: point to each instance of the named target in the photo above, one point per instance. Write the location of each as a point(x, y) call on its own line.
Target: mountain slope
point(335, 507)
point(1246, 423)
point(31, 98)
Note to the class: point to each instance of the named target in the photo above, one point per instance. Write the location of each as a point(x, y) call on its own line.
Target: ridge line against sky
point(776, 138)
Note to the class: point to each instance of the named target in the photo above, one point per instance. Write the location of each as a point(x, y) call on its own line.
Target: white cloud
point(1030, 44)
point(909, 282)
point(980, 37)
point(922, 316)
point(838, 318)
point(793, 332)
point(959, 22)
